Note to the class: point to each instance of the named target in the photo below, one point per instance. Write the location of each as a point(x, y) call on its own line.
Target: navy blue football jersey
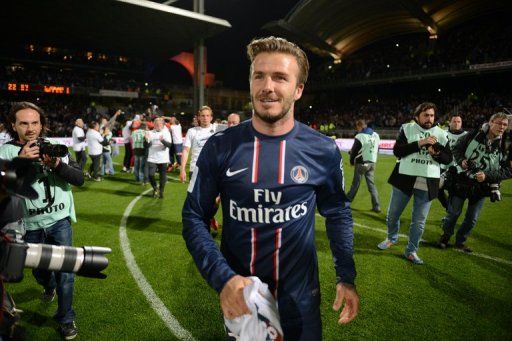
point(270, 187)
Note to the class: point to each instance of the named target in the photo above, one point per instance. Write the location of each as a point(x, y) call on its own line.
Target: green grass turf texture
point(453, 296)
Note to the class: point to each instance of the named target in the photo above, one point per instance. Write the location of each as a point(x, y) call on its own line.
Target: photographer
point(47, 218)
point(421, 147)
point(454, 132)
point(481, 165)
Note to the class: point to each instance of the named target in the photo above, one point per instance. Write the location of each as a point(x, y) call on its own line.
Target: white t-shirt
point(94, 140)
point(158, 153)
point(195, 139)
point(127, 132)
point(78, 146)
point(177, 135)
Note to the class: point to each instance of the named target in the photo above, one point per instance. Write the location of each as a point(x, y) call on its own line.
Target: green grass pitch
point(453, 296)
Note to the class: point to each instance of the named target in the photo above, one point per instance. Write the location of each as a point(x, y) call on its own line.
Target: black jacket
point(404, 182)
point(504, 170)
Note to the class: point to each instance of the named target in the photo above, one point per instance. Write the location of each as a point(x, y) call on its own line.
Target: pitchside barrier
point(385, 146)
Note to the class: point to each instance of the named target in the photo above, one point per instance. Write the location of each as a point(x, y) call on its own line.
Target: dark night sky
point(227, 51)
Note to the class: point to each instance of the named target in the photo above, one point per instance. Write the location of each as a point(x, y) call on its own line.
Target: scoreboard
point(45, 88)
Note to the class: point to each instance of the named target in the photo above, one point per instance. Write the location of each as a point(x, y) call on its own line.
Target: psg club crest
point(299, 174)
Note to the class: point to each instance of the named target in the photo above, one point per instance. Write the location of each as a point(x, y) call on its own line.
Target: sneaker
point(98, 179)
point(88, 175)
point(464, 248)
point(155, 193)
point(376, 210)
point(48, 295)
point(386, 244)
point(413, 257)
point(443, 242)
point(68, 330)
point(123, 170)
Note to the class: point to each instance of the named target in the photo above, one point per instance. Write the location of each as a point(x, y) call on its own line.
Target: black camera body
point(472, 168)
point(436, 147)
point(482, 188)
point(52, 150)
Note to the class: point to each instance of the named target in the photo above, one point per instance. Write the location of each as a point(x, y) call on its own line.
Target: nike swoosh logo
point(229, 173)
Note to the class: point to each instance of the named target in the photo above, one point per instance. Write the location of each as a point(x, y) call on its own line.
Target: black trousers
point(127, 155)
point(94, 168)
point(162, 171)
point(81, 158)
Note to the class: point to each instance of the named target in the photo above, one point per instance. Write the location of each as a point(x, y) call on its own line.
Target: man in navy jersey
point(272, 172)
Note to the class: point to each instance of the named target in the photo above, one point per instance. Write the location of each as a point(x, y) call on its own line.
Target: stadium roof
point(130, 27)
point(341, 27)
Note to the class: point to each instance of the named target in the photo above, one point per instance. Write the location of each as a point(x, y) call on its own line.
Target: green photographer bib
point(452, 141)
point(421, 163)
point(485, 159)
point(369, 146)
point(55, 200)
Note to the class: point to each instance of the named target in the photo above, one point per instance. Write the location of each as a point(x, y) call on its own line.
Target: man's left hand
point(51, 162)
point(347, 293)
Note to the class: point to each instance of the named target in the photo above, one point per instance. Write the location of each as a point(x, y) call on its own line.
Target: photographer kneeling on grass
point(481, 164)
point(48, 218)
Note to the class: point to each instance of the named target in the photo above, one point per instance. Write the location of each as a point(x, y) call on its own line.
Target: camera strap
point(49, 198)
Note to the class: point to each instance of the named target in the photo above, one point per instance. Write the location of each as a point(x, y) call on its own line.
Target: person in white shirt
point(127, 136)
point(160, 141)
point(79, 143)
point(95, 143)
point(195, 139)
point(107, 165)
point(177, 143)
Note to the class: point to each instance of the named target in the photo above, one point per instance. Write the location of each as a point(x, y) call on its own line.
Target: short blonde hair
point(279, 45)
point(204, 107)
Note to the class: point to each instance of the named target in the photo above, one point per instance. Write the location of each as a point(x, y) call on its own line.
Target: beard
point(426, 125)
point(270, 118)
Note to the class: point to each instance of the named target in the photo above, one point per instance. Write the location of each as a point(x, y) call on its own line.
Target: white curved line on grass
point(156, 303)
point(483, 255)
point(476, 254)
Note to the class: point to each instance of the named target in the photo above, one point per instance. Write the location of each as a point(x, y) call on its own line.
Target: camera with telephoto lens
point(495, 192)
point(16, 179)
point(15, 255)
point(52, 150)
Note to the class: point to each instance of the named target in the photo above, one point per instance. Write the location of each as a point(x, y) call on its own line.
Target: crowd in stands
point(469, 44)
point(92, 80)
point(64, 56)
point(383, 112)
point(459, 47)
point(392, 112)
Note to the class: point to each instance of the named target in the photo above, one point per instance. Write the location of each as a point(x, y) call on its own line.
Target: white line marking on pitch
point(475, 254)
point(156, 303)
